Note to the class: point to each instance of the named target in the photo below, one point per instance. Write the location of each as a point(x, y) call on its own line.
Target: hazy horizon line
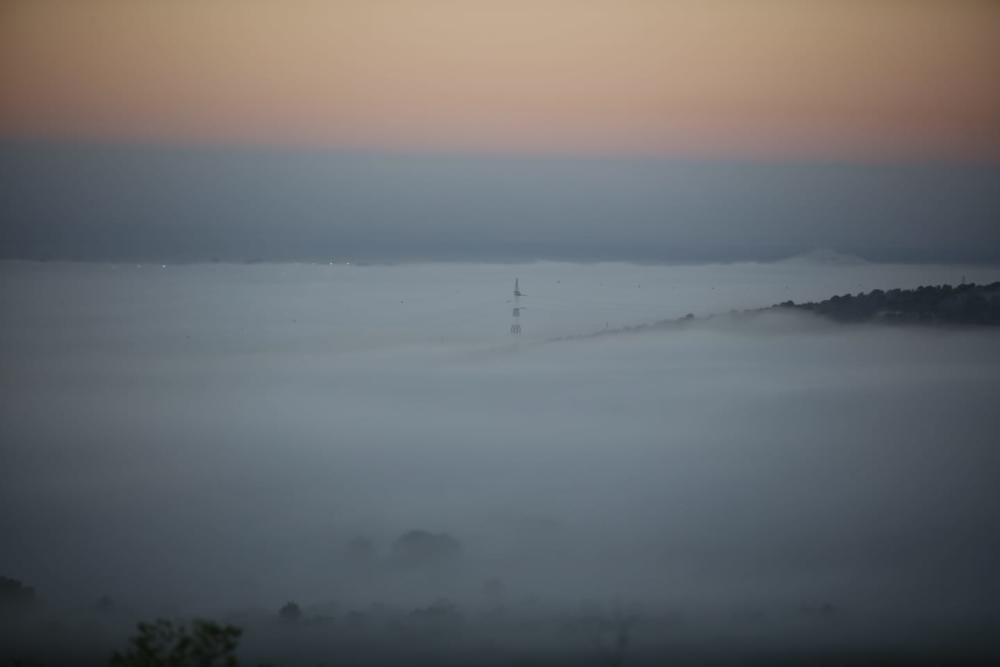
point(417, 152)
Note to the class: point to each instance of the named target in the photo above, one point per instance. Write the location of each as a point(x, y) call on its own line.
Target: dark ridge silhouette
point(966, 304)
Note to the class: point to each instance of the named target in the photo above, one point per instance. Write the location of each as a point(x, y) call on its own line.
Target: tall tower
point(515, 326)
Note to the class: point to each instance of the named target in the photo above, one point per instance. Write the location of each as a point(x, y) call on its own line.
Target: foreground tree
point(164, 644)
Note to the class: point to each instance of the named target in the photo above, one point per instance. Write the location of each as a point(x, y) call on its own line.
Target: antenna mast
point(515, 325)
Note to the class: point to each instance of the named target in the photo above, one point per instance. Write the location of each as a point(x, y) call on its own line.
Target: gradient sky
point(881, 79)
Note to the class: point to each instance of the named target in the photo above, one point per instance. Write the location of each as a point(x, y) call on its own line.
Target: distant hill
point(961, 305)
point(941, 304)
point(825, 256)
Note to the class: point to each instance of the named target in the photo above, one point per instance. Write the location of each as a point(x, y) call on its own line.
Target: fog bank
point(212, 438)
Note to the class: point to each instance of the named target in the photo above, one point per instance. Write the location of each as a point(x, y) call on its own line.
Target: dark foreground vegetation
point(965, 304)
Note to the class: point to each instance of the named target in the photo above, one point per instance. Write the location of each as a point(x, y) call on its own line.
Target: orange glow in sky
point(896, 79)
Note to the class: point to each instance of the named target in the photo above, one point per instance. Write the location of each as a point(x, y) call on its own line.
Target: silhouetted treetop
point(418, 548)
point(291, 612)
point(15, 594)
point(166, 644)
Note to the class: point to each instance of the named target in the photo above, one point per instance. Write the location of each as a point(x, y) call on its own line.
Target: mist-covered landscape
point(370, 443)
point(499, 332)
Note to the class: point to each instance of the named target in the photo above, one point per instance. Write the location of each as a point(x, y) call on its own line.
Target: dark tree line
point(944, 304)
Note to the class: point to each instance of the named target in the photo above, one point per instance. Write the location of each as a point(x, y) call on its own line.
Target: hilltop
point(967, 303)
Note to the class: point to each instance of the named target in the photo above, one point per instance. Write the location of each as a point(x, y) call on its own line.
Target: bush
point(164, 644)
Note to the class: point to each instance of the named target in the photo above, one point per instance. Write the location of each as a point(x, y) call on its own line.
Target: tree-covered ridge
point(967, 303)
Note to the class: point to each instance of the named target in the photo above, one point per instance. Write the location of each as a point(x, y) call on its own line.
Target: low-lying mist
point(218, 439)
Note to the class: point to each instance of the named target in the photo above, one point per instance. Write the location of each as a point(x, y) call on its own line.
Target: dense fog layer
point(210, 438)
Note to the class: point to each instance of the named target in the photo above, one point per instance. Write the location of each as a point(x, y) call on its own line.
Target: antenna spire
point(515, 325)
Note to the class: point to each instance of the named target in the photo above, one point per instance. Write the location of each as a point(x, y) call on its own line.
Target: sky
point(874, 80)
point(571, 130)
